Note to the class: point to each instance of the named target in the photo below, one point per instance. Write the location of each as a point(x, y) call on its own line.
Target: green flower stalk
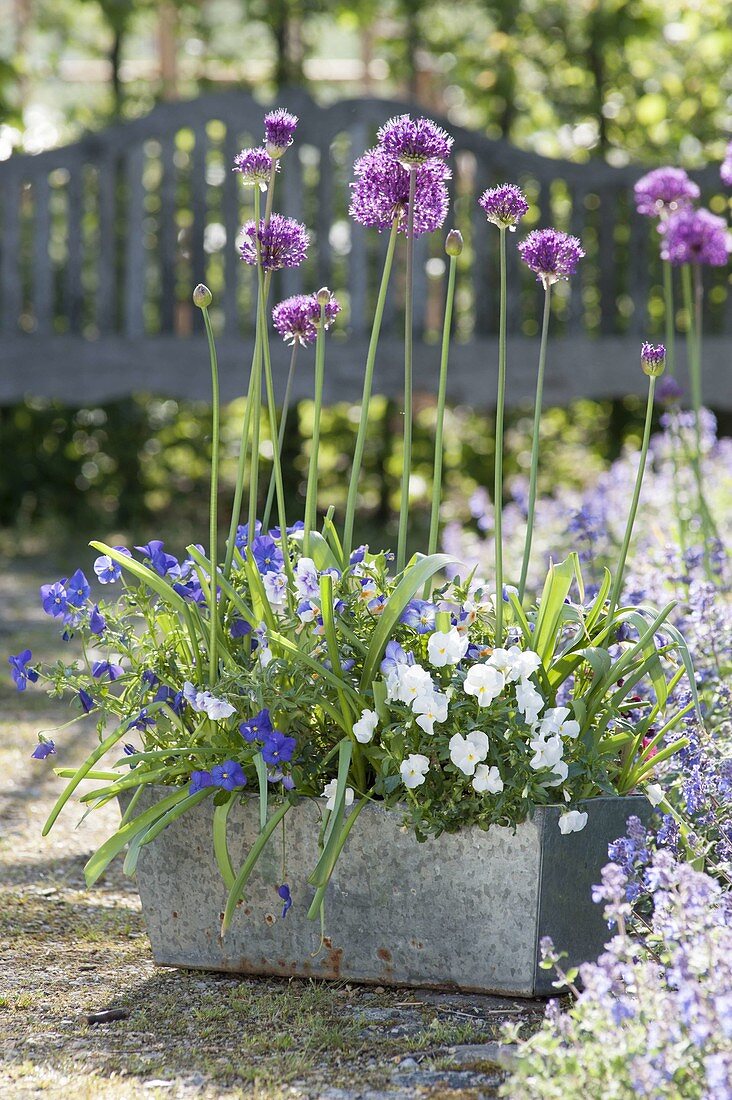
point(311, 495)
point(202, 298)
point(669, 315)
point(453, 248)
point(281, 435)
point(366, 396)
point(533, 476)
point(401, 557)
point(498, 472)
point(653, 362)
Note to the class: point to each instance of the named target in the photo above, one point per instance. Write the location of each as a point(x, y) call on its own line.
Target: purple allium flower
point(504, 206)
point(669, 390)
point(725, 170)
point(255, 167)
point(381, 193)
point(54, 599)
point(228, 775)
point(663, 191)
point(283, 243)
point(695, 237)
point(279, 128)
point(267, 554)
point(284, 893)
point(43, 749)
point(551, 254)
point(199, 781)
point(258, 728)
point(653, 359)
point(278, 748)
point(297, 318)
point(19, 669)
point(414, 140)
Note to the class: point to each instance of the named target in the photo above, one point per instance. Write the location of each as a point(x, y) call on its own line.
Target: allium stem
point(213, 502)
point(440, 415)
point(620, 570)
point(693, 305)
point(669, 315)
point(281, 436)
point(243, 445)
point(366, 396)
point(257, 388)
point(498, 479)
point(533, 477)
point(311, 494)
point(408, 339)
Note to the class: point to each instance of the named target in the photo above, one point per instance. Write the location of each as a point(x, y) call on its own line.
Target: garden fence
point(103, 240)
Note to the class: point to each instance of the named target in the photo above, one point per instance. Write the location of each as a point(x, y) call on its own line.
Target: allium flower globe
point(296, 319)
point(255, 167)
point(653, 359)
point(504, 206)
point(695, 237)
point(663, 191)
point(414, 140)
point(283, 243)
point(381, 193)
point(279, 130)
point(551, 254)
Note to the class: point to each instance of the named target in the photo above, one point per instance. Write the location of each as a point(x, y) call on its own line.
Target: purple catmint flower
point(504, 205)
point(663, 191)
point(297, 318)
point(653, 359)
point(381, 193)
point(695, 237)
point(279, 129)
point(669, 390)
point(551, 254)
point(19, 670)
point(414, 140)
point(282, 243)
point(255, 167)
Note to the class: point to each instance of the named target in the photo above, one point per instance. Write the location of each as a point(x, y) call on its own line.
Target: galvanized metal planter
point(464, 911)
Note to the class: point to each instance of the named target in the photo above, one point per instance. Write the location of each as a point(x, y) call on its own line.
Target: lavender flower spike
point(255, 167)
point(279, 127)
point(283, 243)
point(297, 318)
point(653, 359)
point(504, 206)
point(663, 191)
point(381, 193)
point(414, 141)
point(551, 255)
point(695, 237)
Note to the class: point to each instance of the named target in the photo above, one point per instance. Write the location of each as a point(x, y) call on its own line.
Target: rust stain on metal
point(269, 918)
point(417, 943)
point(385, 956)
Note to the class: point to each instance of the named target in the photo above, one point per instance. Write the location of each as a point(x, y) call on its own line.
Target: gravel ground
point(67, 953)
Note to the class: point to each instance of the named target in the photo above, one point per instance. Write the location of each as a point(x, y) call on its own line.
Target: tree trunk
point(115, 60)
point(168, 49)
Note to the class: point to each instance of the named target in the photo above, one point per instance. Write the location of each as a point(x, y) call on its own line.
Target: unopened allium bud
point(323, 296)
point(653, 359)
point(202, 296)
point(454, 242)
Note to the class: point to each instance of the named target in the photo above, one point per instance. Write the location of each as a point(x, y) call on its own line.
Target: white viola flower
point(217, 709)
point(547, 752)
point(528, 700)
point(430, 709)
point(573, 821)
point(485, 683)
point(413, 681)
point(487, 780)
point(524, 662)
point(264, 654)
point(555, 721)
point(501, 660)
point(365, 727)
point(446, 647)
point(655, 794)
point(561, 770)
point(306, 579)
point(275, 585)
point(329, 793)
point(467, 752)
point(414, 769)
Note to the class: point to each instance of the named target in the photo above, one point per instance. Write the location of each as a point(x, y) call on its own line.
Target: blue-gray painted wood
point(131, 262)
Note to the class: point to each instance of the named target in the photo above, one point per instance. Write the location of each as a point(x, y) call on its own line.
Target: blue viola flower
point(77, 589)
point(54, 599)
point(229, 775)
point(258, 728)
point(97, 622)
point(191, 590)
point(297, 526)
point(142, 722)
point(284, 893)
point(164, 564)
point(19, 669)
point(358, 555)
point(150, 678)
point(106, 668)
point(173, 699)
point(43, 749)
point(420, 615)
point(242, 534)
point(239, 628)
point(199, 780)
point(87, 703)
point(394, 656)
point(278, 748)
point(267, 554)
